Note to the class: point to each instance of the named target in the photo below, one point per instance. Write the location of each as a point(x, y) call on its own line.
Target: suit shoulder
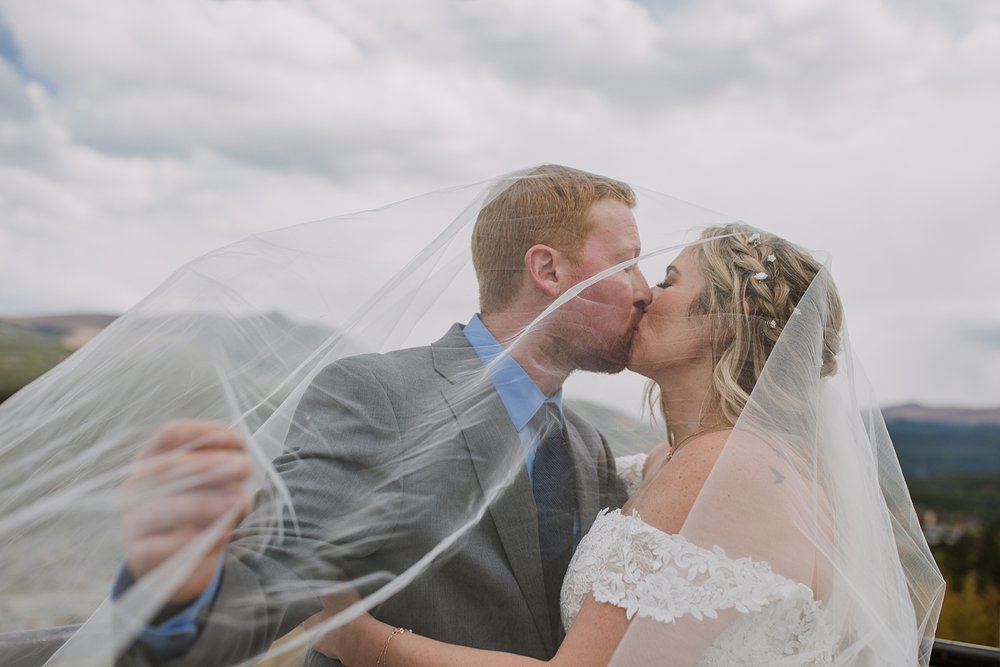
point(389, 369)
point(403, 369)
point(390, 365)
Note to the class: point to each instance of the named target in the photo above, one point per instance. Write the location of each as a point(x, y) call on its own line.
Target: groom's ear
point(544, 266)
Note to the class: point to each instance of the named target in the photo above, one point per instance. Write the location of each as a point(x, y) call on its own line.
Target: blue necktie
point(553, 482)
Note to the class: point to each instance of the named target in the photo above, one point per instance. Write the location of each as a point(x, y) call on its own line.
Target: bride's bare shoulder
point(671, 486)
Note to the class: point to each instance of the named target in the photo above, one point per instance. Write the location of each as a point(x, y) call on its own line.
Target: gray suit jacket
point(389, 458)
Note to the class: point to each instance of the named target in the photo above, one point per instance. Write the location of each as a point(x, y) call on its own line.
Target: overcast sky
point(136, 135)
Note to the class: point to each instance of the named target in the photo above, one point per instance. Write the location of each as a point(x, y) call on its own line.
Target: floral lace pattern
point(630, 470)
point(628, 563)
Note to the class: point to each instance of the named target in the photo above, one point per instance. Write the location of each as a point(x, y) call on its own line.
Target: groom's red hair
point(546, 205)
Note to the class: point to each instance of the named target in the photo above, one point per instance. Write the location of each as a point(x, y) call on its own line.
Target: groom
point(391, 454)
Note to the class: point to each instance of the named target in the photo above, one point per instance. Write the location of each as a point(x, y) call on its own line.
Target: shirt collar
point(520, 395)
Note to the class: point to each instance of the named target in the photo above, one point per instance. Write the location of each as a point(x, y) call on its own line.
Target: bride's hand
point(355, 643)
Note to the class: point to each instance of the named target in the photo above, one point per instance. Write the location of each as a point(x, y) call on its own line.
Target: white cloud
point(134, 136)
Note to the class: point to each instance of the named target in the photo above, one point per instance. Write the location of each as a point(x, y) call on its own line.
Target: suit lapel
point(498, 459)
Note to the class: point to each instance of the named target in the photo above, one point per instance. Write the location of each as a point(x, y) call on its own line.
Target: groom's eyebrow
point(635, 253)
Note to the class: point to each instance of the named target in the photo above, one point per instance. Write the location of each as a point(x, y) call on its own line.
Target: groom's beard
point(609, 352)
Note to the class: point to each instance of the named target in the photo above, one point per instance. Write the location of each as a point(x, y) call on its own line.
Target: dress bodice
point(651, 574)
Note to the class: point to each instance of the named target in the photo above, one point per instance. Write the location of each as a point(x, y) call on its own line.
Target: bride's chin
point(638, 365)
point(638, 370)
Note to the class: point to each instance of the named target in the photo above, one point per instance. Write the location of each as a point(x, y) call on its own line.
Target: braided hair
point(753, 282)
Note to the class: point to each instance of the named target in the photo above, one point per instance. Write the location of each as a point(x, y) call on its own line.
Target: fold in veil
point(239, 335)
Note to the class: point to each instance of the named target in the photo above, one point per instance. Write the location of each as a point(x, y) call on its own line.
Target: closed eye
point(666, 279)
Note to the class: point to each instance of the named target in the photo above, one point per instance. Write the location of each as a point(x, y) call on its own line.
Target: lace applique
point(630, 564)
point(630, 470)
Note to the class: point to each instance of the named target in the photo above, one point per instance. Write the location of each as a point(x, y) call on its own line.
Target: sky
point(138, 135)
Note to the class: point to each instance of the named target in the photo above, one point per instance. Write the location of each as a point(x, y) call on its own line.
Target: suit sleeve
point(339, 470)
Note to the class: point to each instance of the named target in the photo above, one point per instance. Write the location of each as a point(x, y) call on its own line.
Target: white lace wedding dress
point(651, 574)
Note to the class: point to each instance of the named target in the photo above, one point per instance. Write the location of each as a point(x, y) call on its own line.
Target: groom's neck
point(537, 350)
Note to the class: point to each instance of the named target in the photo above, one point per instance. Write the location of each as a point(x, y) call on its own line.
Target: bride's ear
point(544, 266)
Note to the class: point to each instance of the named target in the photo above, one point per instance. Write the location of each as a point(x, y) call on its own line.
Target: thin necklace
point(675, 448)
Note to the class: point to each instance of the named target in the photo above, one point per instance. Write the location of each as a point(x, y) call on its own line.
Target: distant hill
point(973, 495)
point(63, 322)
point(30, 346)
point(944, 441)
point(933, 449)
point(929, 441)
point(914, 413)
point(72, 331)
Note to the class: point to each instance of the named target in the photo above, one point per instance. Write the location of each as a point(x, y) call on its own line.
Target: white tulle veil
point(239, 336)
point(808, 483)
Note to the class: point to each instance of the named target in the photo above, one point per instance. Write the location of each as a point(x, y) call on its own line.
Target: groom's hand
point(188, 477)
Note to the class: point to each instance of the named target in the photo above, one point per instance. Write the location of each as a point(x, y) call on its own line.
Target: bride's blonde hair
point(753, 282)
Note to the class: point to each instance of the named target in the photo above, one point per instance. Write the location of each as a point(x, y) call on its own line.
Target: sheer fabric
point(265, 334)
point(806, 505)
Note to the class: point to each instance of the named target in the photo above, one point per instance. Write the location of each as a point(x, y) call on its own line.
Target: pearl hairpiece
point(770, 258)
point(754, 239)
point(773, 324)
point(760, 276)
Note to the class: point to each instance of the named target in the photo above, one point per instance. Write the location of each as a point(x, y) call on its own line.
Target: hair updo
point(753, 283)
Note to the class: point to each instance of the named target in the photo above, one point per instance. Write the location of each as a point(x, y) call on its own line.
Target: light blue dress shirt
point(176, 635)
point(520, 395)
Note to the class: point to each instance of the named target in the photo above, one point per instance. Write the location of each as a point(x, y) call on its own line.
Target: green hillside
point(950, 457)
point(25, 354)
point(932, 449)
point(969, 495)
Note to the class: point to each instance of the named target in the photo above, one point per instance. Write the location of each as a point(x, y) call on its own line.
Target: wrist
point(365, 641)
point(196, 583)
point(391, 638)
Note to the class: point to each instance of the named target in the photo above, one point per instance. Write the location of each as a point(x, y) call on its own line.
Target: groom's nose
point(642, 294)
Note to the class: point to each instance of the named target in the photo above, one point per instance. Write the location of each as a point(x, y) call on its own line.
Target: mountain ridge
point(918, 413)
point(73, 330)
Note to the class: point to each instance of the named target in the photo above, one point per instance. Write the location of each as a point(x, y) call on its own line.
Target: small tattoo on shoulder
point(778, 477)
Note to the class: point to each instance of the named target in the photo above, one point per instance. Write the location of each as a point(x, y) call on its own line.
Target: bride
point(765, 530)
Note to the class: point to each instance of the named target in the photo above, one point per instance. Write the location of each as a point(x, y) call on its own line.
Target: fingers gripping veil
point(354, 410)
